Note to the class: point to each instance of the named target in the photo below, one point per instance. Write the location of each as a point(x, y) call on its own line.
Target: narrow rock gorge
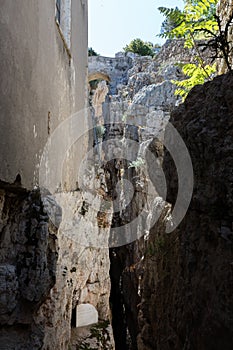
point(169, 290)
point(106, 261)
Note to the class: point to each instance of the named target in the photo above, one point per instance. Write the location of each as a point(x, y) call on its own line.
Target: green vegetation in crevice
point(100, 334)
point(138, 163)
point(124, 118)
point(100, 130)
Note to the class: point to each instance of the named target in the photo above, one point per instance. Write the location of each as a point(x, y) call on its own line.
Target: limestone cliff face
point(147, 100)
point(173, 291)
point(187, 301)
point(82, 273)
point(137, 109)
point(46, 271)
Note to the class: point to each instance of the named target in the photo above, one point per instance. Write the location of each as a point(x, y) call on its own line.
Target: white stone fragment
point(86, 314)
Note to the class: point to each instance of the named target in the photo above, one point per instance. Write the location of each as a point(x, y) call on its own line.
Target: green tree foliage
point(92, 52)
point(195, 76)
point(193, 20)
point(196, 21)
point(140, 47)
point(173, 19)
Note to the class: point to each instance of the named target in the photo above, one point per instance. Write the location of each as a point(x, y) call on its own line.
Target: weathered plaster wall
point(40, 85)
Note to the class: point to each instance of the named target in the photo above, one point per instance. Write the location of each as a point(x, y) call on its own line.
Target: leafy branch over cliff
point(197, 21)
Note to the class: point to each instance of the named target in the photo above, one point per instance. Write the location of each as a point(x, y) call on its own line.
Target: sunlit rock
point(86, 314)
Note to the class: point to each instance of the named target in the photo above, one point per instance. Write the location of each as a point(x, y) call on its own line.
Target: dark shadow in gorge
point(124, 298)
point(117, 302)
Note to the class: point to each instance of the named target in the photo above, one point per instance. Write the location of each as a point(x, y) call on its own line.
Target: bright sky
point(114, 23)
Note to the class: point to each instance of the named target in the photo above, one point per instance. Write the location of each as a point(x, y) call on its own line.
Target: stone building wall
point(42, 83)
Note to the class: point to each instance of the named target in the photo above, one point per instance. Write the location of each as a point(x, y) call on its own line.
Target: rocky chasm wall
point(186, 301)
point(47, 271)
point(28, 262)
point(137, 110)
point(173, 291)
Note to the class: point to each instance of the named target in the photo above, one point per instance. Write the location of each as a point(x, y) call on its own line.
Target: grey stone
point(8, 288)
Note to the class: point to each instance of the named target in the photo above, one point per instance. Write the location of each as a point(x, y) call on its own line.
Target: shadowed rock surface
point(187, 300)
point(28, 263)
